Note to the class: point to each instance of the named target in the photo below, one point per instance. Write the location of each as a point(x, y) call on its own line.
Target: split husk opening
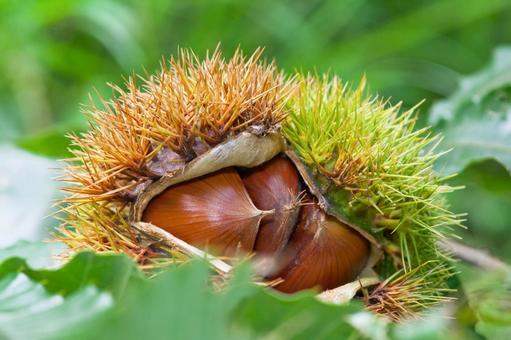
point(245, 150)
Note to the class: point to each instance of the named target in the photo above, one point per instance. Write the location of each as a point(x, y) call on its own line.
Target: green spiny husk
point(375, 171)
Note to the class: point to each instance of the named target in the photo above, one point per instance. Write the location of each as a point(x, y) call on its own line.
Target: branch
point(477, 257)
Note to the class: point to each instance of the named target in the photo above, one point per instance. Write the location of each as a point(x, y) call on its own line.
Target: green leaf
point(36, 254)
point(476, 120)
point(298, 317)
point(28, 311)
point(474, 88)
point(179, 303)
point(106, 296)
point(114, 300)
point(489, 295)
point(110, 272)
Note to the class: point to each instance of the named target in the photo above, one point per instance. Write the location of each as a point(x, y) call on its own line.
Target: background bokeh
point(54, 52)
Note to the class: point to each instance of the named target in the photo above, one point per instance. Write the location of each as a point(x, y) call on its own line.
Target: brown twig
point(477, 257)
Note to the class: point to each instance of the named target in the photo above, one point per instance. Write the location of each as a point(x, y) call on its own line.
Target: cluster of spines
point(100, 227)
point(371, 150)
point(404, 295)
point(188, 105)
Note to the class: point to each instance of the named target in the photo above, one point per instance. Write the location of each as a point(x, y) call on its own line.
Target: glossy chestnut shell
point(267, 211)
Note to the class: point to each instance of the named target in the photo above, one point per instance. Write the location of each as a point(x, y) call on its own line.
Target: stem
point(477, 257)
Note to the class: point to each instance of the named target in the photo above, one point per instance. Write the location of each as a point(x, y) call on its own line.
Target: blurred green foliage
point(475, 122)
point(476, 119)
point(53, 52)
point(487, 200)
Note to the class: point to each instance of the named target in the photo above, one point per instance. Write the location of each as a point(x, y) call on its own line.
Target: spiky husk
point(189, 105)
point(103, 228)
point(361, 149)
point(405, 295)
point(186, 108)
point(377, 170)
